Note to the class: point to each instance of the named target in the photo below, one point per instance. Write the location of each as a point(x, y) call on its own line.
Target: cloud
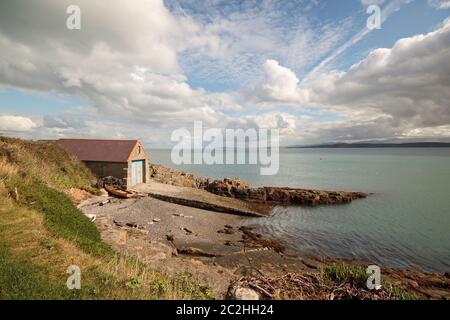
point(409, 82)
point(123, 61)
point(439, 4)
point(16, 123)
point(250, 32)
point(367, 3)
point(281, 84)
point(142, 71)
point(389, 9)
point(398, 92)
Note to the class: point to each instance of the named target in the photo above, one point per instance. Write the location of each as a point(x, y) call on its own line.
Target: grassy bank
point(43, 233)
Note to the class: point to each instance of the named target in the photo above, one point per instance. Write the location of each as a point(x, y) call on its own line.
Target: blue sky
point(284, 64)
point(31, 102)
point(414, 18)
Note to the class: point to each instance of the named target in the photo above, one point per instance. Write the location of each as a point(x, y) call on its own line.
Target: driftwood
point(308, 286)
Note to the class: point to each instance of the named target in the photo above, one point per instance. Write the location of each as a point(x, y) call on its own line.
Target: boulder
point(243, 293)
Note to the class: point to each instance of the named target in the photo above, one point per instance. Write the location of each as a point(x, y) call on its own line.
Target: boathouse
point(123, 159)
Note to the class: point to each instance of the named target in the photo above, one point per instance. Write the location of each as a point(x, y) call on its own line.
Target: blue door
point(137, 172)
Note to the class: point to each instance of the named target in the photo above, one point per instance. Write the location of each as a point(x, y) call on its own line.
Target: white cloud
point(254, 31)
point(123, 60)
point(392, 93)
point(367, 3)
point(281, 84)
point(125, 63)
point(390, 8)
point(16, 123)
point(410, 82)
point(439, 4)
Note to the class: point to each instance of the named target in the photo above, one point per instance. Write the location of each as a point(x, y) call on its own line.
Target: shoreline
point(215, 247)
point(239, 189)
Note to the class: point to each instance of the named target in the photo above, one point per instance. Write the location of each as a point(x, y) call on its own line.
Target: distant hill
point(380, 145)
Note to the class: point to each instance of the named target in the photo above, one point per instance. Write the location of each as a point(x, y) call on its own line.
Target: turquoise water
point(405, 223)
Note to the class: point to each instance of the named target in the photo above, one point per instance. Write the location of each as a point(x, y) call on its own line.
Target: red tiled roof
point(99, 150)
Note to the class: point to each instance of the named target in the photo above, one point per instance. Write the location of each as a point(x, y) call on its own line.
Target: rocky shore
point(236, 261)
point(232, 258)
point(236, 188)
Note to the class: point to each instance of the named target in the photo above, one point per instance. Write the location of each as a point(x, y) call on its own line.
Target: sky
point(142, 69)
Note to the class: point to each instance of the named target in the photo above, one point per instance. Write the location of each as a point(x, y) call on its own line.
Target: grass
point(46, 161)
point(357, 276)
point(33, 265)
point(342, 272)
point(61, 217)
point(43, 233)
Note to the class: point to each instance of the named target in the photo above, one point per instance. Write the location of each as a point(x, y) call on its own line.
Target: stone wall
point(103, 169)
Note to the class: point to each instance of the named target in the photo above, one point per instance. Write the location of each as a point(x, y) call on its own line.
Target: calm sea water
point(404, 224)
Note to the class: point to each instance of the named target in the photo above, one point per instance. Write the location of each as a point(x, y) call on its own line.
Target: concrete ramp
point(202, 199)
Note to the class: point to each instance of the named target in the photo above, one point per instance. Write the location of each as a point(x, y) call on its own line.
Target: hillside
point(43, 233)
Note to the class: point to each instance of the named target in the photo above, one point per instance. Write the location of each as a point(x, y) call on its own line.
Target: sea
point(404, 223)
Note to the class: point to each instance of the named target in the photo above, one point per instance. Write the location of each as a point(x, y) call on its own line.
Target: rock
point(226, 231)
point(277, 195)
point(156, 220)
point(131, 224)
point(172, 176)
point(257, 194)
point(115, 182)
point(236, 188)
point(187, 230)
point(243, 293)
point(312, 264)
point(196, 252)
point(170, 237)
point(118, 223)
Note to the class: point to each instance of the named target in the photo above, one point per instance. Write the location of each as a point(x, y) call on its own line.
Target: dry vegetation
point(334, 282)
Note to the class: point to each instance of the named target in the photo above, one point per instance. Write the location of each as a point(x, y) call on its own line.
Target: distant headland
point(378, 145)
